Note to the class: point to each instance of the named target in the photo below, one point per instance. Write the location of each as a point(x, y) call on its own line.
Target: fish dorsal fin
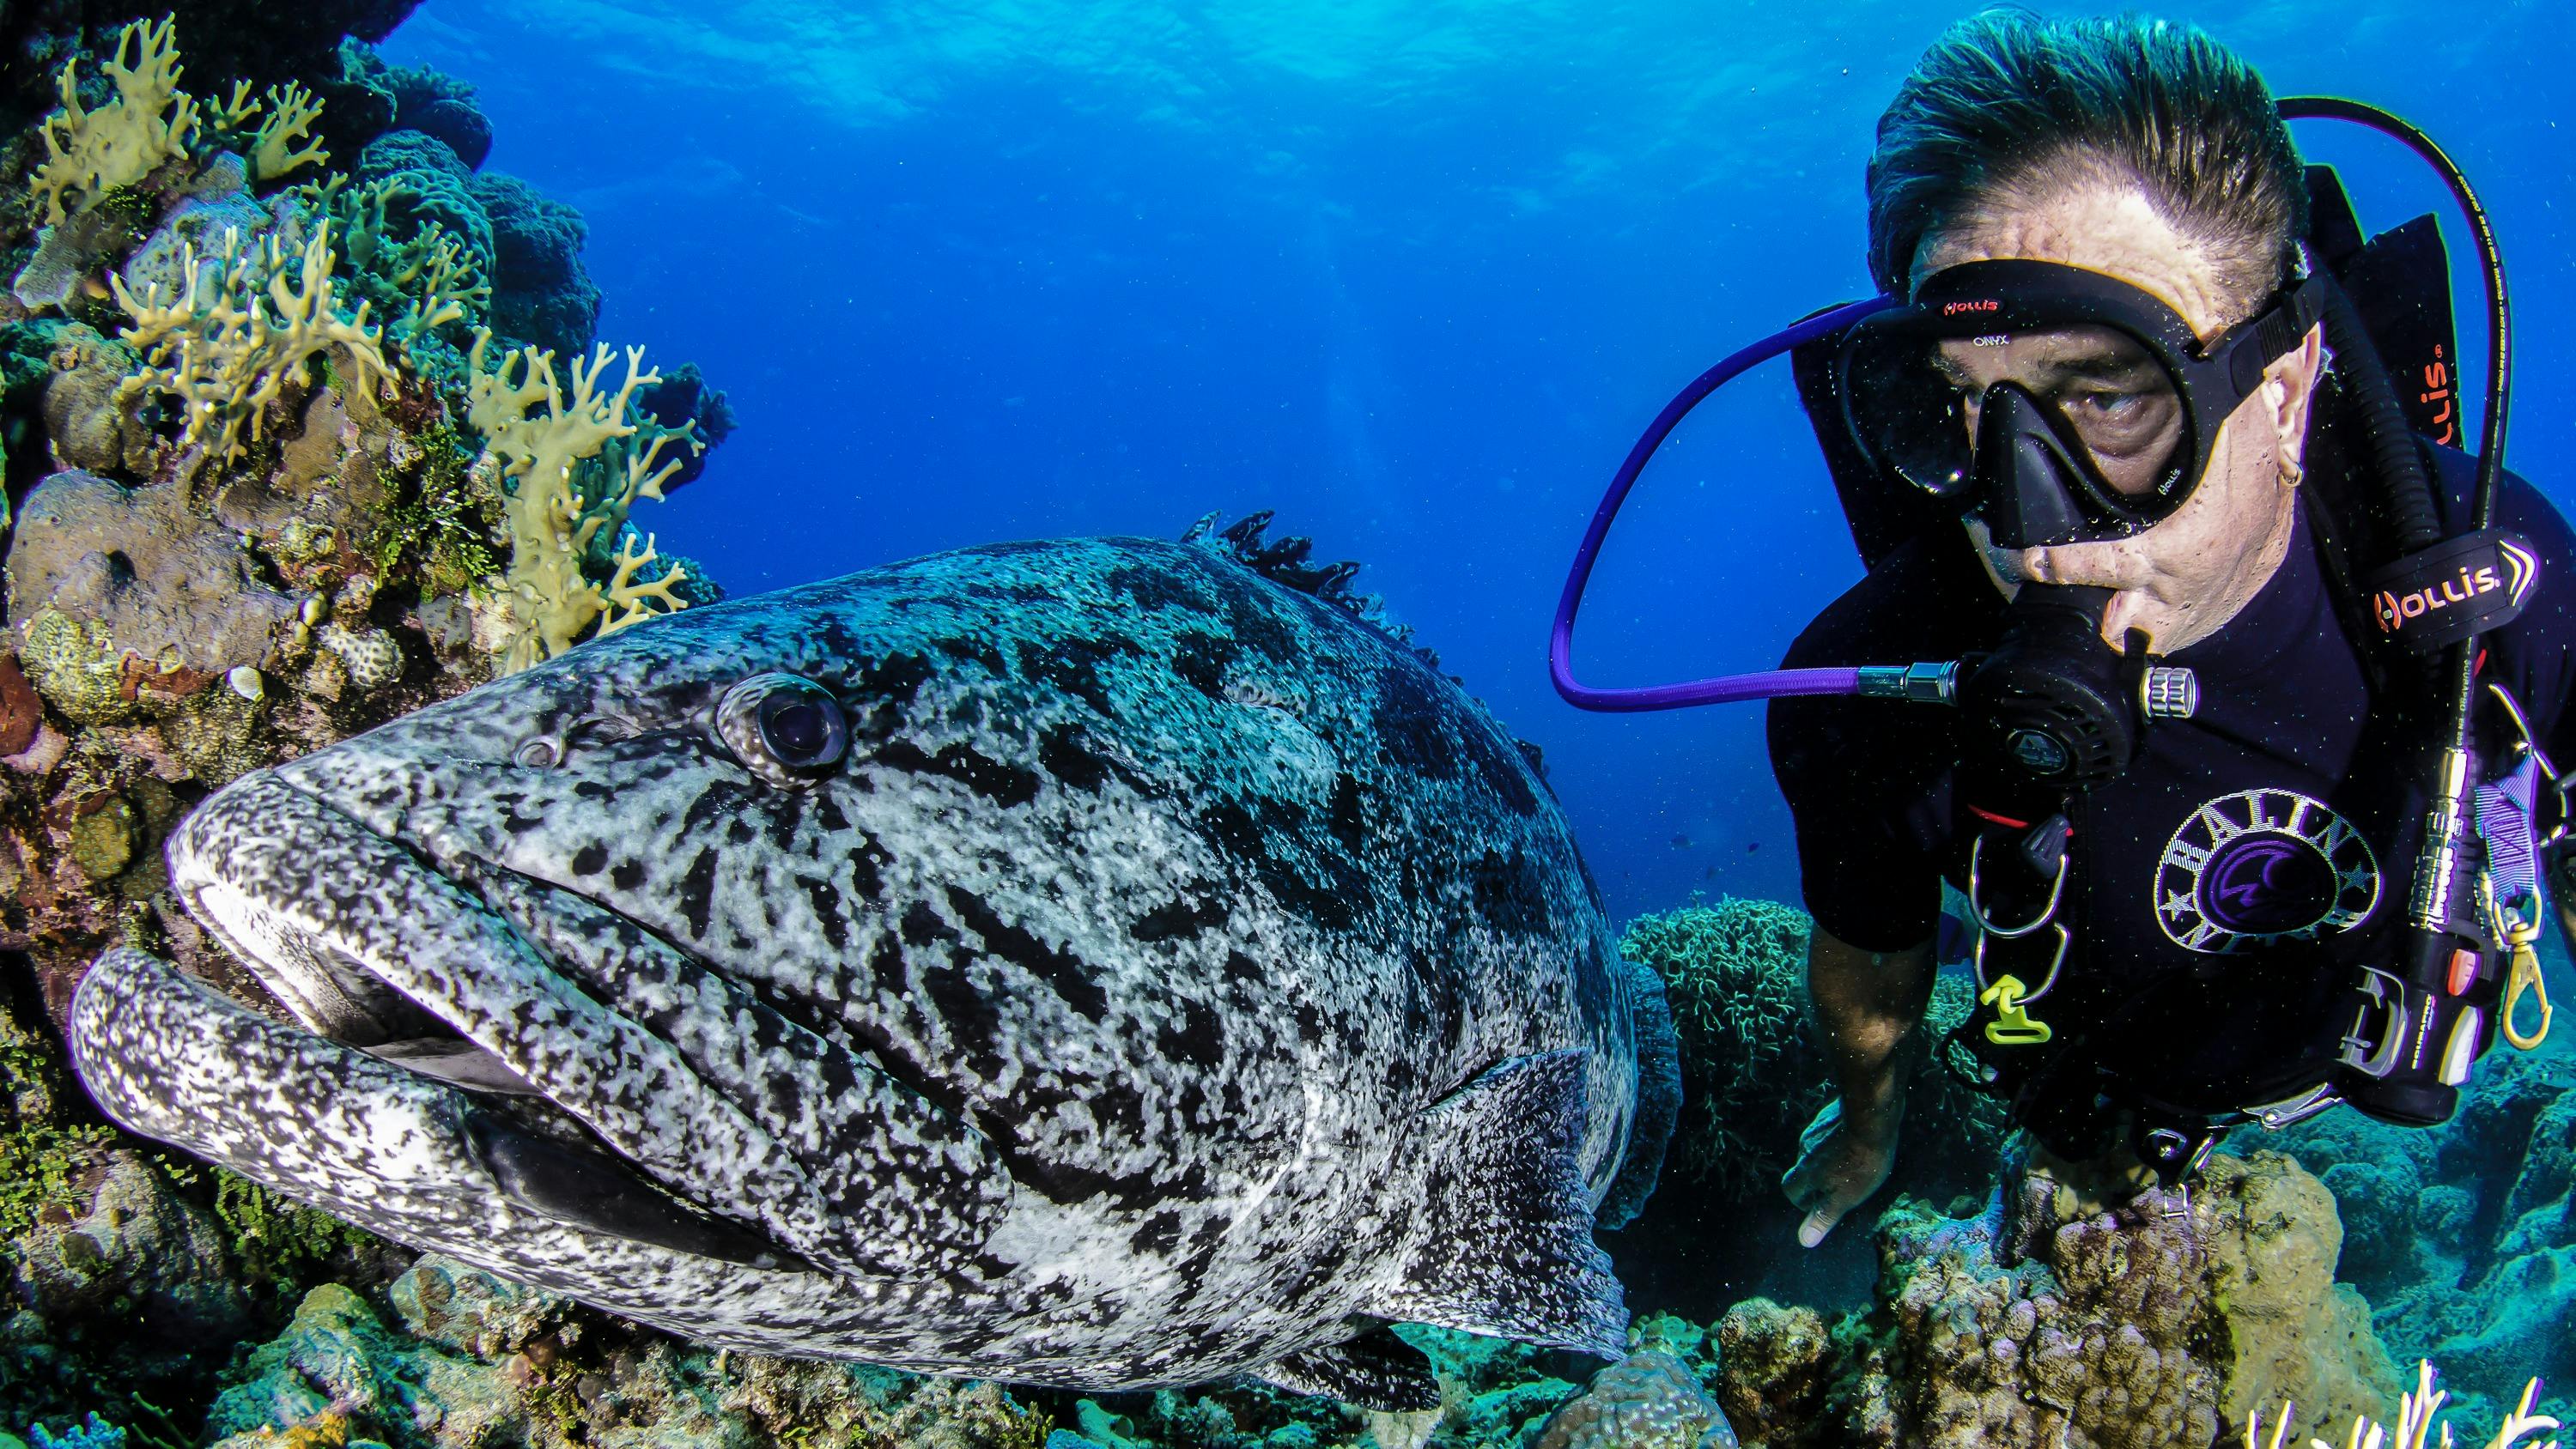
point(1509, 1249)
point(1371, 1370)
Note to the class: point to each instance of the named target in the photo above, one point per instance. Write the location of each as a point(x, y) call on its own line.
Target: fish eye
point(781, 727)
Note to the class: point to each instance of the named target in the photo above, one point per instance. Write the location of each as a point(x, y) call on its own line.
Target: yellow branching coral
point(88, 152)
point(234, 111)
point(247, 324)
point(2417, 1417)
point(553, 518)
point(291, 114)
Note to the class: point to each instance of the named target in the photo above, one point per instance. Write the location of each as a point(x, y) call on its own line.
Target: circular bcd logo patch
point(2261, 866)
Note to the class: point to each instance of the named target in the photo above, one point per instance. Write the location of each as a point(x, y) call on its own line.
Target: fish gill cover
point(309, 426)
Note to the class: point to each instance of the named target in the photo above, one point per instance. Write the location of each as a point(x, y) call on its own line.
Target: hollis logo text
point(2394, 609)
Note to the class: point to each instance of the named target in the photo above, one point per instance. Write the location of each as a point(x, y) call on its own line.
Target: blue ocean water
point(1412, 275)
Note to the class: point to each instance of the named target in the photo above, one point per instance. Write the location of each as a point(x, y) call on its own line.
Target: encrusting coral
point(2044, 1323)
point(556, 516)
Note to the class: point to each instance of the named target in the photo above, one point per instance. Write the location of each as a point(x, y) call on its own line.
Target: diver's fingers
point(1823, 1126)
point(1818, 1223)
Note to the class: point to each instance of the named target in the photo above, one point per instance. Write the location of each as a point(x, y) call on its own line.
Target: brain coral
point(1650, 1400)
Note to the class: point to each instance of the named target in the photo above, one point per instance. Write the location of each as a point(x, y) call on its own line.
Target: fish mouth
point(486, 986)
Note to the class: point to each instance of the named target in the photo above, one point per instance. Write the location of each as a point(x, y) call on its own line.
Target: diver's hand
point(1842, 1159)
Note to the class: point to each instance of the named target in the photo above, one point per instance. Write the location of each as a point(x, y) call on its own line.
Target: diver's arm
point(1866, 1006)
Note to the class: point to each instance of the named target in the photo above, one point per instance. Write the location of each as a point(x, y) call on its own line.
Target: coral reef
point(456, 1357)
point(228, 350)
point(2462, 1236)
point(1735, 972)
point(260, 529)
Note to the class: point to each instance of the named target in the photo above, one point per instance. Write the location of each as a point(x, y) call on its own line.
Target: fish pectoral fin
point(1509, 1250)
point(1374, 1370)
point(584, 1187)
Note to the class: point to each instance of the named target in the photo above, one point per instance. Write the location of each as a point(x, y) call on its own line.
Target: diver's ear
point(2290, 384)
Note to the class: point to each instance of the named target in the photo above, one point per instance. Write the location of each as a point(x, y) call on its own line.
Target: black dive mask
point(2058, 405)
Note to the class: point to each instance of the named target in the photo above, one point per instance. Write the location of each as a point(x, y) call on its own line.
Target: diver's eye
point(783, 728)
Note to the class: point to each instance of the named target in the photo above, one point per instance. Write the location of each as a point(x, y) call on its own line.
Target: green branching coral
point(247, 324)
point(40, 1153)
point(417, 271)
point(569, 489)
point(1735, 973)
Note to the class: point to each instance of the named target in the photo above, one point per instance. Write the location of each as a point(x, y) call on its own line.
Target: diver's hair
point(2008, 108)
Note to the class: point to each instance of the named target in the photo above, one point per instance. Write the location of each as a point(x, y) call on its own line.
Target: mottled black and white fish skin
point(1177, 976)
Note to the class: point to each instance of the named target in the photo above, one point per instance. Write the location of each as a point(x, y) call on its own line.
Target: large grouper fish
point(1093, 963)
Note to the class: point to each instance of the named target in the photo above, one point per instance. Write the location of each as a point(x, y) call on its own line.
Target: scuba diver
point(2219, 686)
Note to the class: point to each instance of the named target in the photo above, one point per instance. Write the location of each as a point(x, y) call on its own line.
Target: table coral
point(537, 436)
point(91, 152)
point(229, 347)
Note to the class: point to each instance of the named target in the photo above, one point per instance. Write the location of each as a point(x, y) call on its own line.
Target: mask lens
point(1914, 398)
point(1913, 419)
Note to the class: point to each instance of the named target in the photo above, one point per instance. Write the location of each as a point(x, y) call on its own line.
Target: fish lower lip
point(389, 948)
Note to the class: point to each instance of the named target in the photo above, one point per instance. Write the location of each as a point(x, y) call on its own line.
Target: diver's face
point(2188, 575)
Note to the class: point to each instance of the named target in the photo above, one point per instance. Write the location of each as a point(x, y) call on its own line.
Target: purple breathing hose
point(1726, 688)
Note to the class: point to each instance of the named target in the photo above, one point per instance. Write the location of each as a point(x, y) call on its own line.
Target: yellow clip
point(2524, 976)
point(2013, 1025)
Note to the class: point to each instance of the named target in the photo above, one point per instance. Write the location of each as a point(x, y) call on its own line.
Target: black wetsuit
point(2220, 890)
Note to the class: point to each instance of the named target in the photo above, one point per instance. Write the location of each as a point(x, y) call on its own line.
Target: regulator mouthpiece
point(2055, 704)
